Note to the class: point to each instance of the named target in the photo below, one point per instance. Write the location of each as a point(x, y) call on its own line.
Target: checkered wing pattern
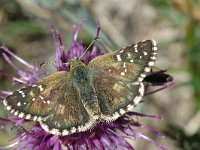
point(117, 77)
point(54, 102)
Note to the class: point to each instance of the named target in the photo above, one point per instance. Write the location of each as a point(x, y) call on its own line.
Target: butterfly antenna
point(49, 63)
point(96, 39)
point(45, 64)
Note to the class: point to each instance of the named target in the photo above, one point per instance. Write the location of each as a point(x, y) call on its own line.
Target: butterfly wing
point(35, 101)
point(54, 102)
point(117, 77)
point(68, 115)
point(116, 97)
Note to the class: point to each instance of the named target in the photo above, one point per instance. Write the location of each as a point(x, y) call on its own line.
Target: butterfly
point(68, 102)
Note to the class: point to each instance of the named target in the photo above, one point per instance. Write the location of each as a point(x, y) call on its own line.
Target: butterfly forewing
point(117, 77)
point(54, 102)
point(35, 101)
point(130, 63)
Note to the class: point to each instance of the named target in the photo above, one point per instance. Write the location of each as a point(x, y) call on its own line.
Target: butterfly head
point(74, 63)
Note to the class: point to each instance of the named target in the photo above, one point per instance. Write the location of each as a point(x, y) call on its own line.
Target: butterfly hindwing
point(118, 76)
point(116, 97)
point(68, 114)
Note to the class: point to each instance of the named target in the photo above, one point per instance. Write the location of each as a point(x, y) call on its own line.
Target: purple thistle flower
point(103, 136)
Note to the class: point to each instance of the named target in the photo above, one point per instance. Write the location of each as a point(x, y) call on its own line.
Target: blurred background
point(174, 24)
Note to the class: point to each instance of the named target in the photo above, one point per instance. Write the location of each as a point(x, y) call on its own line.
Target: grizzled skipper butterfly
point(105, 89)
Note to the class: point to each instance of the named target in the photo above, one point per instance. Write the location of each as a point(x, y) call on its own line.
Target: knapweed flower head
point(102, 136)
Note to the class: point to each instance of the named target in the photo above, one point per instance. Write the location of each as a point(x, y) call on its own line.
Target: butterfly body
point(105, 89)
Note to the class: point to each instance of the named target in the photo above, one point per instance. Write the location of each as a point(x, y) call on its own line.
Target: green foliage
point(23, 29)
point(182, 140)
point(190, 26)
point(185, 21)
point(164, 9)
point(192, 44)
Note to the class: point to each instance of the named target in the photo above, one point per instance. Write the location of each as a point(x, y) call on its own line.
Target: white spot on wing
point(121, 51)
point(19, 104)
point(39, 119)
point(8, 108)
point(116, 115)
point(153, 42)
point(147, 69)
point(124, 65)
point(140, 79)
point(145, 53)
point(35, 118)
point(55, 131)
point(130, 107)
point(79, 128)
point(16, 113)
point(135, 46)
point(151, 63)
point(41, 97)
point(21, 115)
point(141, 89)
point(73, 130)
point(5, 102)
point(136, 50)
point(119, 57)
point(44, 126)
point(129, 55)
point(41, 88)
point(65, 132)
point(154, 48)
point(122, 111)
point(20, 91)
point(138, 98)
point(12, 111)
point(123, 73)
point(28, 116)
point(143, 75)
